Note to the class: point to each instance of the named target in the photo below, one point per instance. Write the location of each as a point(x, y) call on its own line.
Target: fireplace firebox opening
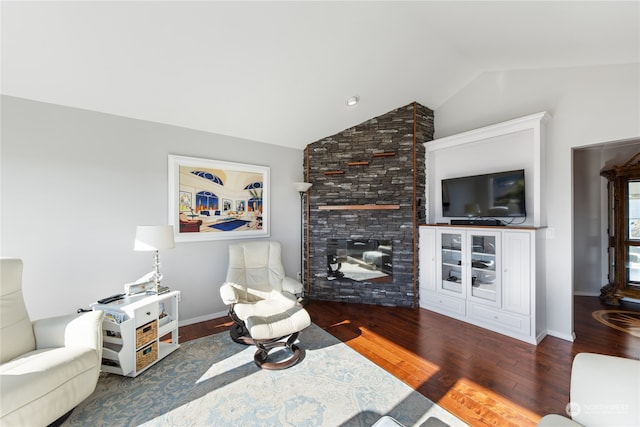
point(362, 260)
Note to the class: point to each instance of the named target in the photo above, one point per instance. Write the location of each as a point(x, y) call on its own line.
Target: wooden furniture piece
point(487, 276)
point(624, 231)
point(133, 332)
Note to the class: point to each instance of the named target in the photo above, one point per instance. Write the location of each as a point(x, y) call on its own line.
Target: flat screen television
point(492, 195)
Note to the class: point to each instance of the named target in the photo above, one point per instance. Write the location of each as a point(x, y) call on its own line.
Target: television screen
point(491, 195)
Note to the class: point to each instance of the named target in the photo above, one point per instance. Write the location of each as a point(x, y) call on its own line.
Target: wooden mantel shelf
point(358, 207)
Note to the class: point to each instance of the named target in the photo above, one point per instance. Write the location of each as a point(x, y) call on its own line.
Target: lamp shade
point(302, 187)
point(153, 237)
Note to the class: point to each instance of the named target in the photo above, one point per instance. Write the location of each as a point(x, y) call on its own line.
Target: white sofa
point(47, 367)
point(605, 391)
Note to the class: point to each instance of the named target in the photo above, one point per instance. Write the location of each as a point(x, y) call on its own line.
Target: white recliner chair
point(263, 301)
point(47, 367)
point(605, 391)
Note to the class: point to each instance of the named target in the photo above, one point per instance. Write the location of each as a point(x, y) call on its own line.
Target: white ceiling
point(280, 72)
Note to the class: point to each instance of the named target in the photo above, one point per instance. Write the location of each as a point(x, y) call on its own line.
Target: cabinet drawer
point(500, 319)
point(146, 314)
point(146, 333)
point(442, 303)
point(147, 355)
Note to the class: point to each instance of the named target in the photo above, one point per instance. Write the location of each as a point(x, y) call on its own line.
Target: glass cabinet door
point(611, 232)
point(484, 271)
point(451, 262)
point(633, 231)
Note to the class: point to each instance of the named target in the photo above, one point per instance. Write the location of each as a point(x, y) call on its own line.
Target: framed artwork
point(202, 193)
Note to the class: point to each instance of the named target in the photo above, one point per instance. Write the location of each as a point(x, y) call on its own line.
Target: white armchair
point(605, 391)
point(256, 285)
point(47, 367)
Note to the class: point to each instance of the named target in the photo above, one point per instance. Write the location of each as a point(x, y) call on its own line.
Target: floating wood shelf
point(358, 207)
point(361, 163)
point(387, 154)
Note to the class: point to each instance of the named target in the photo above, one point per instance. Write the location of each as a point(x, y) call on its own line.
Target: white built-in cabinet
point(483, 275)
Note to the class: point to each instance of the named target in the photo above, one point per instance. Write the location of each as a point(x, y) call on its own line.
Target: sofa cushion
point(263, 308)
point(35, 374)
point(278, 325)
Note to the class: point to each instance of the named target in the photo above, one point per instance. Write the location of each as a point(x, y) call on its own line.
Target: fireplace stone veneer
point(368, 183)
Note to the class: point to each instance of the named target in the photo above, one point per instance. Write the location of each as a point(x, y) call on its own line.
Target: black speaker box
point(486, 222)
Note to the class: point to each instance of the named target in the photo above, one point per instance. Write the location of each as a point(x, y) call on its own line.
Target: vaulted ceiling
point(280, 72)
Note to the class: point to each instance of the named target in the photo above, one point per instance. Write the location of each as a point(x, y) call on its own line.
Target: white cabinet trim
point(535, 141)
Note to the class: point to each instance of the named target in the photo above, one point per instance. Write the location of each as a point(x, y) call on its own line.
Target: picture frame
point(216, 200)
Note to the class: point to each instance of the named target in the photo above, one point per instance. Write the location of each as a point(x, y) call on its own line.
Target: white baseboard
point(570, 338)
point(204, 318)
point(586, 294)
point(593, 294)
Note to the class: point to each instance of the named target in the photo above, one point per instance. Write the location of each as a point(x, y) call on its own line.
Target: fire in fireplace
point(364, 260)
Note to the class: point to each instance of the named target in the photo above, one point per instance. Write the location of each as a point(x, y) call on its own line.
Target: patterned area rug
point(622, 320)
point(213, 381)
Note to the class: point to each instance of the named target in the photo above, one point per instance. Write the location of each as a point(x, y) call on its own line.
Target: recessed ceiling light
point(352, 100)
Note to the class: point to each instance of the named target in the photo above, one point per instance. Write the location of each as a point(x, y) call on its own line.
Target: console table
point(138, 331)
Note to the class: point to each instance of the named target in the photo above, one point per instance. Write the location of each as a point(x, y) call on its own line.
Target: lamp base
point(159, 290)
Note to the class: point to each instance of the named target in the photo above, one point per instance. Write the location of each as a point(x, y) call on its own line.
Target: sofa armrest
point(83, 330)
point(228, 293)
point(292, 286)
point(605, 389)
point(553, 420)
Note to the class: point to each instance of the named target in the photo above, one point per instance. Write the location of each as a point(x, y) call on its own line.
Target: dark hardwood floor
point(482, 377)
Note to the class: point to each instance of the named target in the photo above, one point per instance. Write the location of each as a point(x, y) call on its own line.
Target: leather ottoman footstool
point(278, 330)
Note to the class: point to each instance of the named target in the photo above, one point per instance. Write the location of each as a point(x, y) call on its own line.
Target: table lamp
point(154, 238)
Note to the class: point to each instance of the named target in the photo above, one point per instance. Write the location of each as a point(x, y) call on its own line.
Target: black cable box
point(489, 222)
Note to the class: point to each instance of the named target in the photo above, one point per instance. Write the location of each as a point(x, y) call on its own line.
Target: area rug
point(230, 225)
point(622, 320)
point(213, 381)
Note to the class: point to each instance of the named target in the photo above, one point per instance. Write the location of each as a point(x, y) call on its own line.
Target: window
point(206, 201)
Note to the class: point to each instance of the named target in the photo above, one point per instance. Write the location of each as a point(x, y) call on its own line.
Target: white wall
point(75, 184)
point(588, 105)
point(589, 272)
